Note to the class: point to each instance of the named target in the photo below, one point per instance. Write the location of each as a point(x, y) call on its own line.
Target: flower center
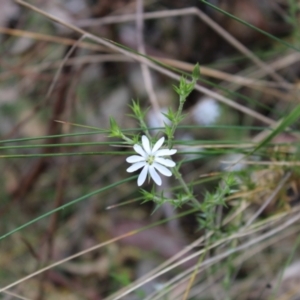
point(150, 159)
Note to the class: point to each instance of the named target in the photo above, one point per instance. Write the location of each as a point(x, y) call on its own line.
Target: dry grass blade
point(164, 71)
point(183, 12)
point(218, 257)
point(50, 38)
point(51, 266)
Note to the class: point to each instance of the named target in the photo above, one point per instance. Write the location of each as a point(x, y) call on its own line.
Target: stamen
point(150, 160)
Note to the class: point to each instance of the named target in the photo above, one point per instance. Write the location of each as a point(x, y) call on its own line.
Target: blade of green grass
point(65, 154)
point(67, 205)
point(251, 26)
point(286, 122)
point(62, 145)
point(52, 136)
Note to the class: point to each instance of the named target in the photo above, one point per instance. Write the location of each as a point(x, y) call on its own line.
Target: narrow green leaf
point(286, 122)
point(64, 154)
point(196, 72)
point(67, 205)
point(251, 26)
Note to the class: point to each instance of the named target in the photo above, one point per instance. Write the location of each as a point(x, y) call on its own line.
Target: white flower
point(151, 160)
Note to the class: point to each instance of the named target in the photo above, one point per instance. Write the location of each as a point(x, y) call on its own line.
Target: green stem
point(178, 176)
point(144, 127)
point(128, 140)
point(176, 121)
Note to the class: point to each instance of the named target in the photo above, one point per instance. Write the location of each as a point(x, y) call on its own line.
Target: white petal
point(143, 175)
point(134, 158)
point(164, 152)
point(154, 175)
point(138, 149)
point(146, 144)
point(163, 170)
point(136, 166)
point(166, 162)
point(158, 144)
